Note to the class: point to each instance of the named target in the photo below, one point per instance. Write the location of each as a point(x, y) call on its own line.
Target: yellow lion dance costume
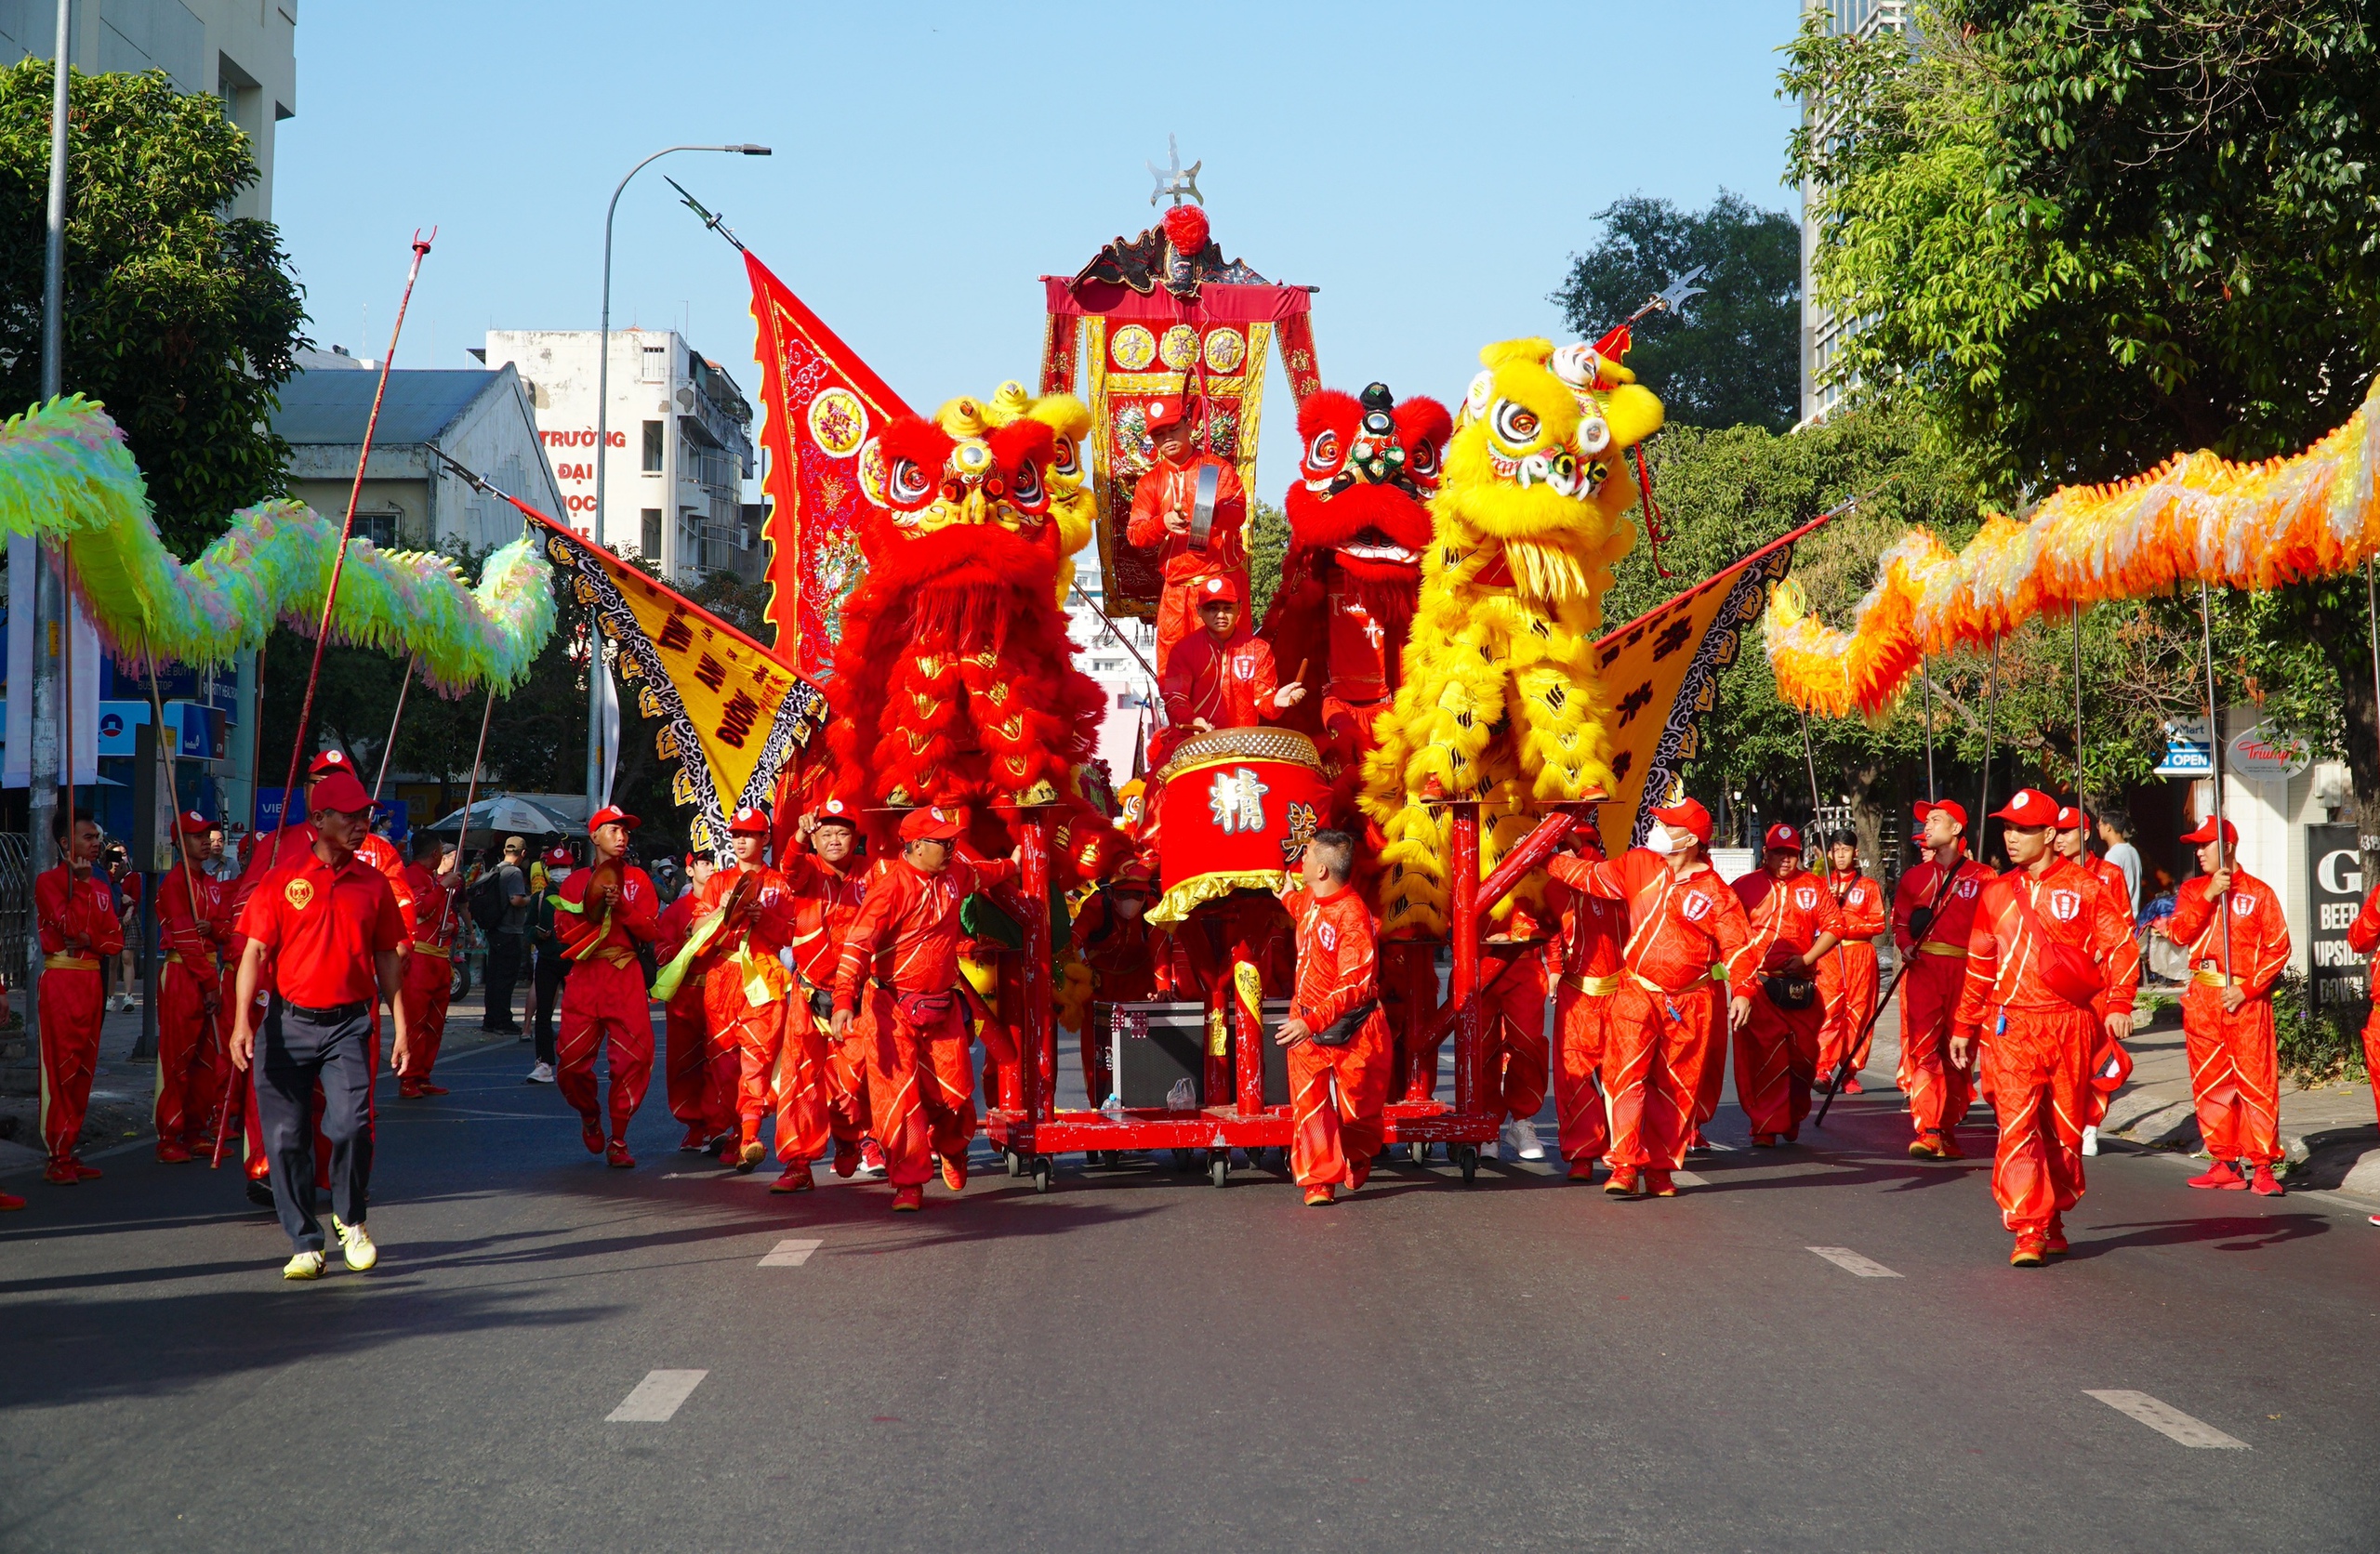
point(1501, 700)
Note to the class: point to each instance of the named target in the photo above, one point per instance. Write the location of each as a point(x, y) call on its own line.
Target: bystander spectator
point(124, 883)
point(508, 945)
point(2115, 829)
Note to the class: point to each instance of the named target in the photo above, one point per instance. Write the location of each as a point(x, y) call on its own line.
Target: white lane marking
point(790, 1254)
point(1852, 1262)
point(2167, 1421)
point(1687, 1178)
point(656, 1398)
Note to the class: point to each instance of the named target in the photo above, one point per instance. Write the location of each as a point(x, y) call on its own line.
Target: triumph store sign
point(2335, 886)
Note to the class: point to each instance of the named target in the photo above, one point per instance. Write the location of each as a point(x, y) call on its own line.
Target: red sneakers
point(173, 1154)
point(2266, 1184)
point(1319, 1197)
point(1950, 1145)
point(910, 1199)
point(748, 1148)
point(1621, 1182)
point(1583, 1170)
point(696, 1141)
point(953, 1172)
point(590, 1133)
point(1928, 1146)
point(1659, 1185)
point(871, 1159)
point(9, 1201)
point(1853, 1088)
point(61, 1172)
point(2033, 1250)
point(795, 1180)
point(2219, 1178)
point(2054, 1242)
point(846, 1159)
point(618, 1158)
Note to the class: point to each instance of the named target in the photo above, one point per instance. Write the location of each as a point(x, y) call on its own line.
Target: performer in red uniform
point(1337, 1037)
point(897, 981)
point(429, 965)
point(1933, 914)
point(1125, 952)
point(2227, 1011)
point(1162, 503)
point(1222, 678)
point(2364, 937)
point(2072, 843)
point(828, 879)
point(699, 1073)
point(606, 910)
point(1688, 967)
point(748, 998)
point(1593, 928)
point(1795, 924)
point(324, 932)
point(1847, 978)
point(2047, 946)
point(79, 930)
point(192, 1066)
point(1517, 1058)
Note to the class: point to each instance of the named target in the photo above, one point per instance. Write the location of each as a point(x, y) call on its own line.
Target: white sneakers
point(355, 1246)
point(542, 1074)
point(1520, 1139)
point(303, 1265)
point(2091, 1140)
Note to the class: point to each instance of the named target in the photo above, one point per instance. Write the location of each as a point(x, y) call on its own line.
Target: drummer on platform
point(327, 922)
point(1223, 676)
point(1163, 506)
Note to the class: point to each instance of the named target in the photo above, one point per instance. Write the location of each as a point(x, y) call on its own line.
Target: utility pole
point(49, 614)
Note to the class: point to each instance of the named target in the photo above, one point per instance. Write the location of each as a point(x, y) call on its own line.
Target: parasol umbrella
point(505, 814)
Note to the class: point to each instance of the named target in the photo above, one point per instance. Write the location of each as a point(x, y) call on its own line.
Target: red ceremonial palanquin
point(1358, 525)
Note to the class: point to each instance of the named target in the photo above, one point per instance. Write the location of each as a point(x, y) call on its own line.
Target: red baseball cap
point(610, 814)
point(2206, 834)
point(933, 823)
point(2029, 806)
point(835, 812)
point(340, 791)
point(557, 858)
point(1781, 835)
point(1224, 587)
point(1690, 814)
point(749, 821)
point(329, 761)
point(1164, 413)
point(1136, 874)
point(189, 823)
point(1950, 807)
point(2070, 818)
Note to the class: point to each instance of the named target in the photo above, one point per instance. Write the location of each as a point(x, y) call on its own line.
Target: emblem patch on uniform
point(1243, 666)
point(1806, 899)
point(1966, 890)
point(2243, 904)
point(299, 893)
point(1328, 935)
point(2065, 905)
point(1236, 800)
point(1695, 908)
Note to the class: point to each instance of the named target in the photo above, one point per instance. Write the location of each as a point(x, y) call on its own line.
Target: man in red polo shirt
point(1163, 503)
point(605, 912)
point(328, 925)
point(430, 963)
point(1795, 923)
point(193, 919)
point(896, 984)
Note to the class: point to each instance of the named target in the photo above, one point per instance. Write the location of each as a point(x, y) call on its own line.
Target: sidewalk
point(2329, 1132)
point(124, 1092)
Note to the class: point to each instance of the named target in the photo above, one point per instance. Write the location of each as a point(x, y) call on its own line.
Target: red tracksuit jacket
point(907, 934)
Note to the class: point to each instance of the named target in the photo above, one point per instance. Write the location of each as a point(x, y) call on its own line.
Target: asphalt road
point(1137, 1359)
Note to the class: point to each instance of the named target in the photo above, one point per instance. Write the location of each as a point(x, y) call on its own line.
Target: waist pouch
point(822, 1003)
point(1790, 993)
point(1344, 1030)
point(927, 1008)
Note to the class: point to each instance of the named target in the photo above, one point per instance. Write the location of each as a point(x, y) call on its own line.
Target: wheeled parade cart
point(1237, 808)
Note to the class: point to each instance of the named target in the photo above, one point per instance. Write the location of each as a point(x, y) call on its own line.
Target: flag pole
point(2214, 768)
point(1925, 682)
point(1991, 723)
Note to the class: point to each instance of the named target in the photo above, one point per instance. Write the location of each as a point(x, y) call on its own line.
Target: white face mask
point(1658, 842)
point(557, 873)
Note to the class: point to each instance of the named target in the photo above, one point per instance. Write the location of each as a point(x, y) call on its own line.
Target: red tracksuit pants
point(847, 1111)
point(699, 1073)
point(191, 1057)
point(2372, 1054)
point(1583, 1124)
point(430, 982)
point(1516, 1054)
point(2235, 1074)
point(2033, 1072)
point(921, 1081)
point(1939, 1092)
point(599, 1001)
point(1658, 1048)
point(781, 1065)
point(73, 1002)
point(1847, 988)
point(1337, 1096)
point(1776, 1053)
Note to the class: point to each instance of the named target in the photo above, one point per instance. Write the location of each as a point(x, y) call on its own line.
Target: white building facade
point(1128, 688)
point(1822, 332)
point(680, 435)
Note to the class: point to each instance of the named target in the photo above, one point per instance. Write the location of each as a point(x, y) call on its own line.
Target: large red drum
point(1234, 809)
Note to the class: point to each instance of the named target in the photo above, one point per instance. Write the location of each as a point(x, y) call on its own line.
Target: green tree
point(1734, 359)
point(183, 320)
point(1268, 545)
point(2085, 236)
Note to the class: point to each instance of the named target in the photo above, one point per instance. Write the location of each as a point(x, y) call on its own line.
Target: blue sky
point(1429, 167)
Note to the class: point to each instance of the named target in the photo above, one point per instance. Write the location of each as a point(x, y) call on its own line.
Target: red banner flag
point(825, 408)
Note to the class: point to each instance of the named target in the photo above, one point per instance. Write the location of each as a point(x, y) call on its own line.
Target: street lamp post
point(48, 594)
point(595, 751)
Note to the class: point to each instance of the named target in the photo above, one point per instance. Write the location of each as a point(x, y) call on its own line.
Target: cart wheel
point(1111, 1158)
point(1043, 1170)
point(1421, 1154)
point(1219, 1168)
point(1182, 1160)
point(1467, 1157)
point(1014, 1161)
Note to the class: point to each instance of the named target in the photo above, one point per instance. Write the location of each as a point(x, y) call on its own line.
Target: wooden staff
point(391, 744)
point(2078, 717)
point(1991, 721)
point(2214, 768)
point(471, 797)
point(1926, 684)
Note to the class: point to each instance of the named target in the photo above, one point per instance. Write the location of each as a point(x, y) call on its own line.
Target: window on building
point(379, 528)
point(653, 446)
point(657, 363)
point(650, 545)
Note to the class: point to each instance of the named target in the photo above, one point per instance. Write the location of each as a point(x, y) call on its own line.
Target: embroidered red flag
point(825, 408)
